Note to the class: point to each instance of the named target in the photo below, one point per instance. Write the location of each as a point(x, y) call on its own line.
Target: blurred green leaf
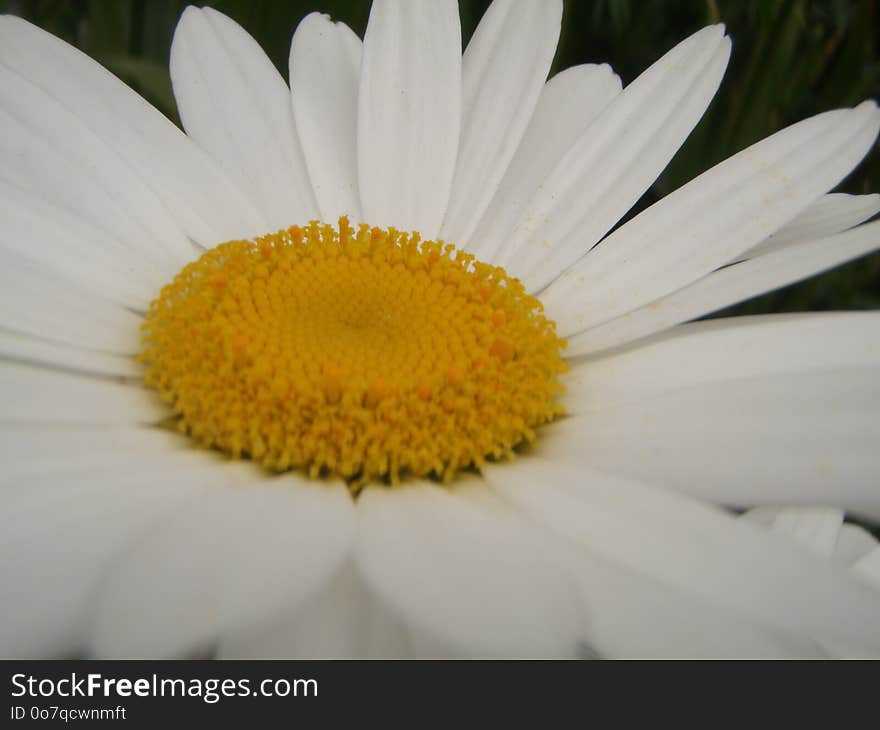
point(109, 28)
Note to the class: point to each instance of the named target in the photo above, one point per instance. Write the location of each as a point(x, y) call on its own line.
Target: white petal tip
point(869, 106)
point(190, 12)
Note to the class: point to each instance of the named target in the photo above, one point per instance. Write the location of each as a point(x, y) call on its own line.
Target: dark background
point(791, 59)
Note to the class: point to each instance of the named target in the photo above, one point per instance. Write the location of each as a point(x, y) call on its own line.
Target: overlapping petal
point(325, 68)
point(568, 103)
point(242, 545)
point(656, 532)
point(766, 410)
point(503, 69)
point(468, 573)
point(235, 105)
point(757, 275)
point(712, 219)
point(409, 113)
point(616, 159)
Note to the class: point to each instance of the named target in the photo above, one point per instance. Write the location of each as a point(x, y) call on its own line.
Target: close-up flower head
point(409, 355)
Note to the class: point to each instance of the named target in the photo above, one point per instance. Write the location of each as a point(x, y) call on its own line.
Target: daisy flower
point(362, 367)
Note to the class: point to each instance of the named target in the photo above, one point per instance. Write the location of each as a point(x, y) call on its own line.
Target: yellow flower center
point(367, 354)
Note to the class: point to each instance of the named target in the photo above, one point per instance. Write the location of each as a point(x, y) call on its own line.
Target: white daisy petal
point(36, 449)
point(42, 486)
point(633, 615)
point(779, 439)
point(853, 543)
point(867, 568)
point(822, 531)
point(97, 460)
point(725, 350)
point(830, 214)
point(38, 395)
point(409, 113)
point(47, 150)
point(471, 575)
point(700, 550)
point(54, 471)
point(815, 528)
point(713, 218)
point(818, 529)
point(223, 563)
point(762, 515)
point(765, 272)
point(61, 536)
point(234, 103)
point(71, 248)
point(24, 349)
point(325, 69)
point(757, 410)
point(616, 159)
point(196, 193)
point(503, 69)
point(568, 103)
point(342, 621)
point(63, 312)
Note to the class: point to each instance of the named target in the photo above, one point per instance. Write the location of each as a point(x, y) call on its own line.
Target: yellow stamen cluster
point(367, 354)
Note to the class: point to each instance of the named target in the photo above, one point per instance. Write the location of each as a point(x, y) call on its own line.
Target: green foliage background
point(791, 59)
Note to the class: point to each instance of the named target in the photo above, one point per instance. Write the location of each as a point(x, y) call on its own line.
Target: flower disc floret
point(363, 353)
